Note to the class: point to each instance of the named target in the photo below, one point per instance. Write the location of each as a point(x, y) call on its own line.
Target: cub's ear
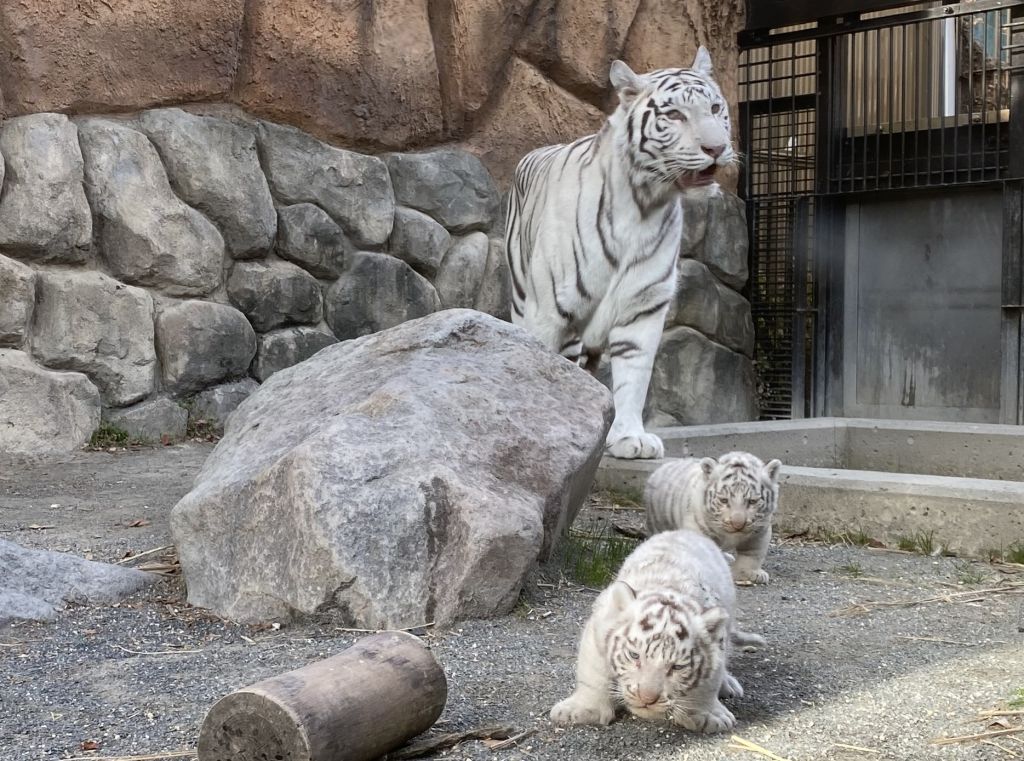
point(708, 465)
point(627, 83)
point(716, 622)
point(772, 470)
point(620, 595)
point(702, 62)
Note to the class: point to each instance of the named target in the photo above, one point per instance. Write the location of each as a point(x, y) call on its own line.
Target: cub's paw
point(731, 687)
point(644, 446)
point(744, 577)
point(717, 719)
point(576, 710)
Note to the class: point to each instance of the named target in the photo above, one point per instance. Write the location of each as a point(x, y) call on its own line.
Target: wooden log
point(355, 706)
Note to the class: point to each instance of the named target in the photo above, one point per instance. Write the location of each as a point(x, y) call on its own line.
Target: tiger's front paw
point(642, 446)
point(717, 719)
point(578, 710)
point(731, 687)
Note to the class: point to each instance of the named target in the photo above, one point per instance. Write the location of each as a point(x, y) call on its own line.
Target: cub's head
point(661, 647)
point(673, 123)
point(742, 493)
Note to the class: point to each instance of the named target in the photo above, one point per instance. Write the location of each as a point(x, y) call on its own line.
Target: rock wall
point(165, 263)
point(500, 76)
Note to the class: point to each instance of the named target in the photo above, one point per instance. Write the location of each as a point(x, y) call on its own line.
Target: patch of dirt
point(872, 654)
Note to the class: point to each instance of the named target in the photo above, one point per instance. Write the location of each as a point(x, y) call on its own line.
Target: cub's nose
point(714, 151)
point(647, 696)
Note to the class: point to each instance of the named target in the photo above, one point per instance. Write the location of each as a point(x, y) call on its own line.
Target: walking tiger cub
point(594, 230)
point(658, 638)
point(731, 500)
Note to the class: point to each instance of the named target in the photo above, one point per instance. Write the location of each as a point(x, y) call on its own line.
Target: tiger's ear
point(772, 470)
point(715, 621)
point(702, 62)
point(627, 83)
point(620, 595)
point(708, 465)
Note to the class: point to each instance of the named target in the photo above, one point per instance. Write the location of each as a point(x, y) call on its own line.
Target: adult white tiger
point(658, 639)
point(594, 229)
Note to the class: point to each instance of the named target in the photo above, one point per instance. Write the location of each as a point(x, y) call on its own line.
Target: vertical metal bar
point(984, 97)
point(863, 69)
point(999, 101)
point(799, 320)
point(877, 79)
point(905, 60)
point(917, 63)
point(928, 112)
point(1011, 404)
point(956, 105)
point(892, 102)
point(971, 98)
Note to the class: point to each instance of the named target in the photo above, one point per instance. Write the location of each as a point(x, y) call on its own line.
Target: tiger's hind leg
point(632, 348)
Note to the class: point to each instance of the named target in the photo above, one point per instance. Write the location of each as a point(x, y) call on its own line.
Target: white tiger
point(731, 500)
point(658, 639)
point(594, 230)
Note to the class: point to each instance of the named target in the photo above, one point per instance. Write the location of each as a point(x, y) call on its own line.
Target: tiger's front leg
point(632, 349)
point(591, 700)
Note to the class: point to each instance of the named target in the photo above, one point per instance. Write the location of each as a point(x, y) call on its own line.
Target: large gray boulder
point(354, 189)
point(286, 347)
point(275, 293)
point(201, 343)
point(410, 476)
point(697, 381)
point(418, 240)
point(44, 215)
point(214, 166)
point(148, 236)
point(377, 292)
point(450, 185)
point(307, 236)
point(43, 412)
point(91, 323)
point(18, 286)
point(35, 584)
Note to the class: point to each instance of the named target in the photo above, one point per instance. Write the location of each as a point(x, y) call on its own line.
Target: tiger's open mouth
point(699, 179)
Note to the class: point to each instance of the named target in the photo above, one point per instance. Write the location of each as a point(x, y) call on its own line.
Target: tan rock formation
point(114, 55)
point(361, 74)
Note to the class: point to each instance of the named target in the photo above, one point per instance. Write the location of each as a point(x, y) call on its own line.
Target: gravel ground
point(137, 678)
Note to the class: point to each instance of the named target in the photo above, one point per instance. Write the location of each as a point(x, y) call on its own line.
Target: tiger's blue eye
point(678, 666)
point(635, 656)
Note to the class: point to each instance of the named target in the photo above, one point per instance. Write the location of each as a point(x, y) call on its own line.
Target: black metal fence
point(917, 97)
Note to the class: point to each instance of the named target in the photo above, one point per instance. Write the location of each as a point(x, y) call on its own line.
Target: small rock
point(18, 286)
point(150, 421)
point(201, 344)
point(462, 272)
point(307, 236)
point(419, 241)
point(495, 296)
point(286, 347)
point(274, 293)
point(215, 404)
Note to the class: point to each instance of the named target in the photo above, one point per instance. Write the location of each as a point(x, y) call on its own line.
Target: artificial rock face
point(413, 475)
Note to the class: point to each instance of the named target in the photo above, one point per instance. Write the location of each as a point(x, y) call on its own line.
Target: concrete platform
point(961, 483)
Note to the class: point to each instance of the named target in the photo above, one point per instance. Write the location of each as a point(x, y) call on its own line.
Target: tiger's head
point(673, 124)
point(741, 492)
point(660, 648)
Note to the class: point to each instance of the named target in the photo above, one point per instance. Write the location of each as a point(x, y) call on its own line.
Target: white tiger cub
point(731, 500)
point(657, 640)
point(594, 230)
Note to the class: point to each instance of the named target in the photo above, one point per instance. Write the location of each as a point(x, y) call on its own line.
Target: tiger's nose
point(648, 697)
point(714, 151)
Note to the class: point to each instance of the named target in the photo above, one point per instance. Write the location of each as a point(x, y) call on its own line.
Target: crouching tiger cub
point(594, 228)
point(658, 638)
point(731, 500)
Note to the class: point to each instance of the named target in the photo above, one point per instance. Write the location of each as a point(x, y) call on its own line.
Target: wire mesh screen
point(778, 112)
point(916, 97)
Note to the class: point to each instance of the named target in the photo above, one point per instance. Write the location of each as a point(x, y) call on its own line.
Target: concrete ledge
point(969, 516)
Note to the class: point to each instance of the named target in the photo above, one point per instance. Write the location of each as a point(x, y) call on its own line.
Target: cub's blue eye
point(678, 667)
point(635, 656)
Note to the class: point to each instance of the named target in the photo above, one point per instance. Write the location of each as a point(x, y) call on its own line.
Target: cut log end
point(249, 726)
point(358, 705)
